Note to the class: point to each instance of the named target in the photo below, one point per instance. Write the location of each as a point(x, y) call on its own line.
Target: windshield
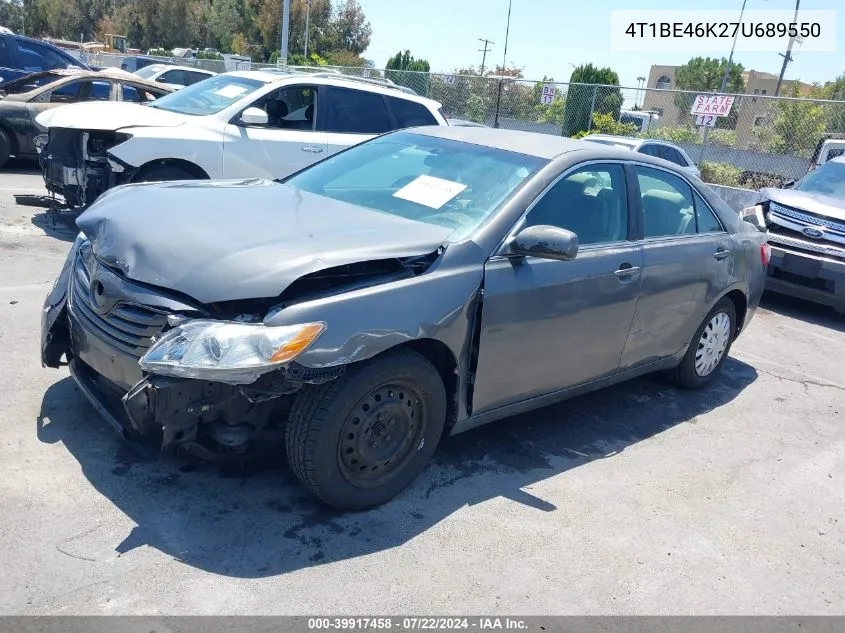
point(449, 183)
point(827, 180)
point(208, 97)
point(148, 71)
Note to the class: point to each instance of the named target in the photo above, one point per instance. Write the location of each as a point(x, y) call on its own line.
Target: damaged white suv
point(250, 124)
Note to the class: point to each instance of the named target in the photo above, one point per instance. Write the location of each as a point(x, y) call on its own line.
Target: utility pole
point(484, 50)
point(283, 50)
point(788, 56)
point(307, 21)
point(731, 58)
point(504, 63)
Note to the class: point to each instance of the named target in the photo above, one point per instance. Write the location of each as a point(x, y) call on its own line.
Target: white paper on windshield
point(230, 91)
point(430, 191)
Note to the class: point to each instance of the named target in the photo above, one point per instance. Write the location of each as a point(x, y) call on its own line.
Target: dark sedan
point(414, 286)
point(23, 99)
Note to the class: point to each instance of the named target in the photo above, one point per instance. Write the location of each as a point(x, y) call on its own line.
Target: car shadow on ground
point(802, 310)
point(261, 522)
point(21, 167)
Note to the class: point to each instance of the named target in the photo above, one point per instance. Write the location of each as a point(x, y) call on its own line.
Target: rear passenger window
point(650, 150)
point(100, 91)
point(196, 77)
point(707, 220)
point(173, 77)
point(356, 112)
point(591, 202)
point(4, 53)
point(672, 155)
point(68, 93)
point(668, 207)
point(410, 114)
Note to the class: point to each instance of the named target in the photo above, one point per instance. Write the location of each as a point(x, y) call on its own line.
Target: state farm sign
point(717, 105)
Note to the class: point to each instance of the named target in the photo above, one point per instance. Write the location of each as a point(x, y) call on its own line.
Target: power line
point(484, 50)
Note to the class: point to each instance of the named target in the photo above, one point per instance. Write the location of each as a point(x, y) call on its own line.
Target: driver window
point(591, 202)
point(289, 108)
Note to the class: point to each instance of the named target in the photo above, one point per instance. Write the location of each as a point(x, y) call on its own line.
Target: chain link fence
point(765, 140)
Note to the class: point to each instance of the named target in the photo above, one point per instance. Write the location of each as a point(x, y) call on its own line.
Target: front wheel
point(359, 440)
point(709, 347)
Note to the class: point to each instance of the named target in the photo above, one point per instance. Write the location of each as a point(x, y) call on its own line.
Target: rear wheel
point(358, 441)
point(709, 347)
point(160, 173)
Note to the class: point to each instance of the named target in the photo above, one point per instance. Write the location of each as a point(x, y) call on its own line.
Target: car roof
point(530, 143)
point(333, 79)
point(174, 66)
point(630, 141)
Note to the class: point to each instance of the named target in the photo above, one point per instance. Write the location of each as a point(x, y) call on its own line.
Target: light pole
point(283, 49)
point(788, 56)
point(307, 22)
point(731, 58)
point(504, 63)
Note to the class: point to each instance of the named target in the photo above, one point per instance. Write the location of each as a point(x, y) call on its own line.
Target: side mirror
point(545, 242)
point(254, 116)
point(788, 184)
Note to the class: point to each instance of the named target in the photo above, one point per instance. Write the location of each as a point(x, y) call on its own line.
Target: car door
point(288, 143)
point(547, 325)
point(687, 259)
point(352, 116)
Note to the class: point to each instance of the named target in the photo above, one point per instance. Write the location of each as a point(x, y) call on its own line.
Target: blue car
point(20, 56)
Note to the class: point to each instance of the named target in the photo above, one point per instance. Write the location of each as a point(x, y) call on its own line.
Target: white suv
point(250, 124)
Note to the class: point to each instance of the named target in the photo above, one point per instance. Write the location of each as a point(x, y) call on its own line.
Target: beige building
point(753, 112)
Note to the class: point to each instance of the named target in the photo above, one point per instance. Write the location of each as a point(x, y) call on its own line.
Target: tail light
point(765, 254)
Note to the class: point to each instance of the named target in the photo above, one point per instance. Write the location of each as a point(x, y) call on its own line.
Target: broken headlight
point(235, 353)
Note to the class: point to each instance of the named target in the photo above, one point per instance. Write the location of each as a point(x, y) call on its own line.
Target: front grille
point(128, 327)
point(806, 217)
point(785, 237)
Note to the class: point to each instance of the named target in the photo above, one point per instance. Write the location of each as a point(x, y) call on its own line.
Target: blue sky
point(549, 36)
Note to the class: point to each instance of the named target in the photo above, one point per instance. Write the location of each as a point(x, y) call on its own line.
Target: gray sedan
point(417, 285)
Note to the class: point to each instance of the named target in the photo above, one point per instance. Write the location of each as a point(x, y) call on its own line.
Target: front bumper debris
point(814, 278)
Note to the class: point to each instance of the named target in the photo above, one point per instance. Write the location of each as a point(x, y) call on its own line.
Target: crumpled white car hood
point(107, 115)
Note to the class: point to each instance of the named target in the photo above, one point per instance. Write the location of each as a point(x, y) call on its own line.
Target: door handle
point(626, 271)
point(721, 253)
point(314, 149)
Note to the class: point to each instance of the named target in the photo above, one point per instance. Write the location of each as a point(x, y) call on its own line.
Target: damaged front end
point(172, 376)
point(77, 166)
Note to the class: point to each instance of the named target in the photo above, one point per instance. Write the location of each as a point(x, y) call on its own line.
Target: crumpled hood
point(107, 115)
point(229, 240)
point(804, 201)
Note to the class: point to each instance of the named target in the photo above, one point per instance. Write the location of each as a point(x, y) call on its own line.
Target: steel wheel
point(712, 344)
point(381, 434)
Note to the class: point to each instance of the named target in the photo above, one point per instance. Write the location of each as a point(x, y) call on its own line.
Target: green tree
point(835, 112)
point(607, 124)
point(405, 70)
point(580, 103)
point(797, 127)
point(350, 27)
point(705, 74)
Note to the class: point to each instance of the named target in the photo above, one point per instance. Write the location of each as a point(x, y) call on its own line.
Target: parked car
point(24, 99)
point(234, 125)
point(806, 230)
point(174, 76)
point(20, 55)
point(650, 147)
point(136, 62)
point(465, 123)
point(410, 287)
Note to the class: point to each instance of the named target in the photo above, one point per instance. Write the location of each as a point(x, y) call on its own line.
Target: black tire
point(331, 426)
point(163, 173)
point(5, 148)
point(685, 375)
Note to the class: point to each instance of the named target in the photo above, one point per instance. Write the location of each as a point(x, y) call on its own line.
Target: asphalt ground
point(639, 499)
